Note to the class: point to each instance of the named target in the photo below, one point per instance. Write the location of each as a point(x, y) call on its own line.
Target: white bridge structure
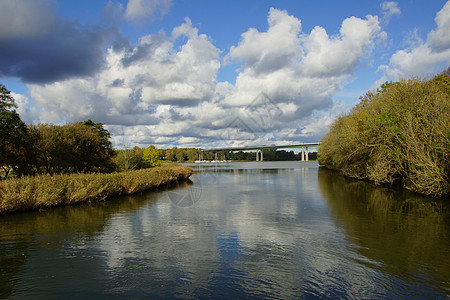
point(259, 150)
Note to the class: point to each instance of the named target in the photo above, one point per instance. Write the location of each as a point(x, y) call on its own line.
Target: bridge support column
point(215, 156)
point(303, 153)
point(259, 155)
point(306, 154)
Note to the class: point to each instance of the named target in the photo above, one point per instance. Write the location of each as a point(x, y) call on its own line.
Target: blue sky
point(212, 73)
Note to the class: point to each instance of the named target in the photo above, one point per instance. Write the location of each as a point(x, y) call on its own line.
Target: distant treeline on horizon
point(192, 154)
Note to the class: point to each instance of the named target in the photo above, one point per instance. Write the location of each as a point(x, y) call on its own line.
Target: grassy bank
point(38, 192)
point(400, 133)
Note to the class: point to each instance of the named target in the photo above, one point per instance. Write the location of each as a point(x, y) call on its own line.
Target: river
point(271, 230)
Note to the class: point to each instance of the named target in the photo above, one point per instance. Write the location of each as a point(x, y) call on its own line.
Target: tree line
point(81, 147)
point(137, 158)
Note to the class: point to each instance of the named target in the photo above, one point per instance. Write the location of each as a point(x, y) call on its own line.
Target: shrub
point(400, 133)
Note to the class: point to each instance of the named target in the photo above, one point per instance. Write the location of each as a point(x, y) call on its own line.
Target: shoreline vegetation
point(43, 191)
point(398, 134)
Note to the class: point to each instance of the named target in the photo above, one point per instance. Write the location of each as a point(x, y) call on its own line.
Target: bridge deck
point(261, 147)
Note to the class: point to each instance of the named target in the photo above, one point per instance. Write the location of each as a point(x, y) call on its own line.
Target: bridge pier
point(305, 154)
point(259, 155)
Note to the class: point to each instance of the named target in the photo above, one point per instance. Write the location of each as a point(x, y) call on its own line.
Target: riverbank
point(397, 134)
point(44, 191)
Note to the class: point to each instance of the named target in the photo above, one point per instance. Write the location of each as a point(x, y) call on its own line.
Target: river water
point(273, 230)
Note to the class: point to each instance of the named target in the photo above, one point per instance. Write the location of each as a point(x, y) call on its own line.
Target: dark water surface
point(246, 230)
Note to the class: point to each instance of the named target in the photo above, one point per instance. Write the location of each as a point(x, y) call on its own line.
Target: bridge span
point(259, 149)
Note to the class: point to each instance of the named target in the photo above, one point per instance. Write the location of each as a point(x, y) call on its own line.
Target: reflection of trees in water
point(406, 232)
point(19, 231)
point(12, 260)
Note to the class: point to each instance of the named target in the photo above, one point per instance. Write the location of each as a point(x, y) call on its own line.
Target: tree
point(12, 134)
point(72, 148)
point(180, 155)
point(6, 100)
point(192, 154)
point(171, 154)
point(105, 148)
point(150, 157)
point(98, 127)
point(129, 159)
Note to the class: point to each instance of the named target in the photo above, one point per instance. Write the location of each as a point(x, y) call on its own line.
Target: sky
point(207, 73)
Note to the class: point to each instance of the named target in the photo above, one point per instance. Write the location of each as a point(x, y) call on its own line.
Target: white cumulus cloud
point(338, 55)
point(299, 72)
point(390, 9)
point(146, 10)
point(164, 91)
point(439, 38)
point(422, 58)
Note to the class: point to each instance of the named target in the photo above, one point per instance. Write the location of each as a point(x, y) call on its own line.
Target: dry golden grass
point(32, 193)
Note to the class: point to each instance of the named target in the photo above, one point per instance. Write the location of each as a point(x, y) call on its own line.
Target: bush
point(400, 133)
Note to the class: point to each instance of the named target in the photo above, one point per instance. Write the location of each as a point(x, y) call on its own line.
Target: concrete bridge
point(259, 149)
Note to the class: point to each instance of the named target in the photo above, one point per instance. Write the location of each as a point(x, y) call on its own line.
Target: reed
point(43, 191)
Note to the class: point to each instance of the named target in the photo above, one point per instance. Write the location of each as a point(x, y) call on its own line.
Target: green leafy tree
point(150, 157)
point(101, 131)
point(104, 150)
point(180, 155)
point(72, 148)
point(192, 154)
point(171, 154)
point(6, 100)
point(12, 135)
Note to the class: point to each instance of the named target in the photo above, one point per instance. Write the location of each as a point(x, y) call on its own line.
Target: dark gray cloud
point(68, 50)
point(144, 51)
point(39, 47)
point(182, 102)
point(121, 43)
point(26, 18)
point(119, 82)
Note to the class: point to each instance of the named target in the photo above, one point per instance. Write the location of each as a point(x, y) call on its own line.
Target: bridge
point(259, 149)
